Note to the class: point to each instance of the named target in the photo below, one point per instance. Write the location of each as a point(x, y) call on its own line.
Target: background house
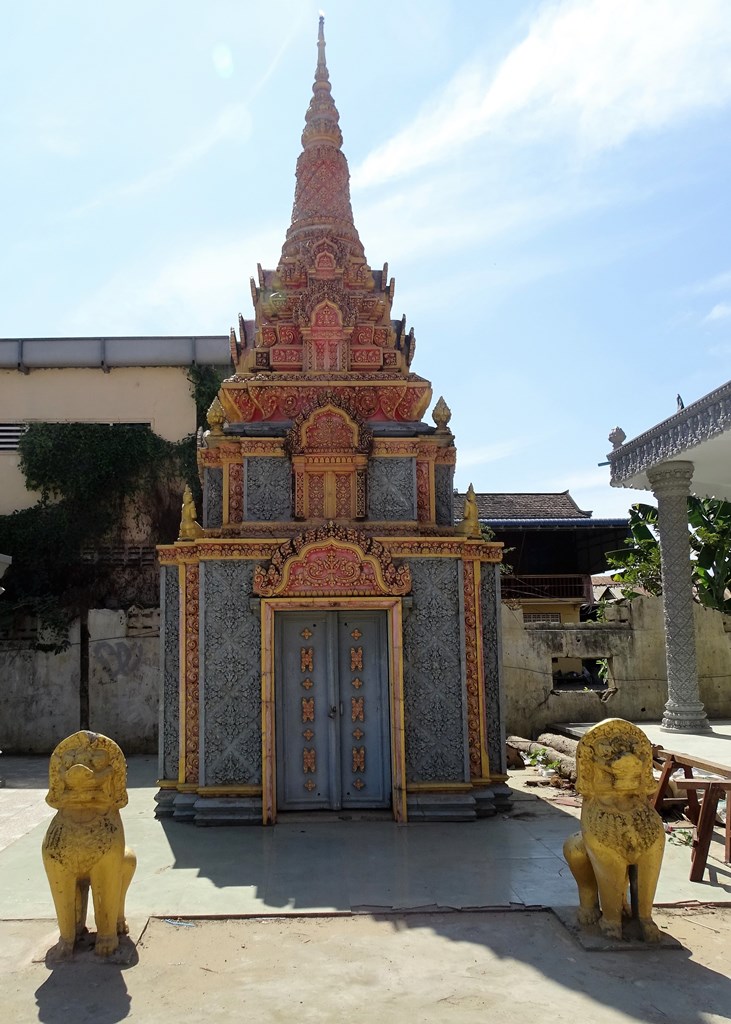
point(96, 380)
point(553, 548)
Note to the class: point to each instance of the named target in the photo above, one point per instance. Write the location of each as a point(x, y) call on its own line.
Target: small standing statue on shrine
point(84, 846)
point(622, 840)
point(190, 529)
point(470, 525)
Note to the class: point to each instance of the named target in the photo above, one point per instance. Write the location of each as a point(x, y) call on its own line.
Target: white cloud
point(722, 351)
point(599, 71)
point(469, 457)
point(233, 122)
point(717, 283)
point(190, 294)
point(721, 311)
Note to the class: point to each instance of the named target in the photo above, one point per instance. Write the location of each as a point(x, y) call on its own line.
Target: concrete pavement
point(419, 930)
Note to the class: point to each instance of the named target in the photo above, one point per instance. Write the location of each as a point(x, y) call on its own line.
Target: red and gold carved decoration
point(307, 683)
point(315, 495)
point(358, 734)
point(446, 456)
point(356, 683)
point(357, 709)
point(327, 426)
point(332, 560)
point(360, 493)
point(171, 554)
point(473, 673)
point(191, 727)
point(277, 396)
point(359, 759)
point(344, 495)
point(299, 493)
point(423, 493)
point(359, 784)
point(308, 709)
point(445, 547)
point(235, 492)
point(329, 486)
point(356, 658)
point(323, 348)
point(306, 659)
point(328, 431)
point(308, 760)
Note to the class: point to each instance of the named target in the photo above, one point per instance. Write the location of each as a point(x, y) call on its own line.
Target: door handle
point(333, 711)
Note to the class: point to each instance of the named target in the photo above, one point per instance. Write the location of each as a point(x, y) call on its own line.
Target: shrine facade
point(330, 641)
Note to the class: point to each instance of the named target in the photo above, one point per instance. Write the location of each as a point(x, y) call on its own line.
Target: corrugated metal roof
point(171, 350)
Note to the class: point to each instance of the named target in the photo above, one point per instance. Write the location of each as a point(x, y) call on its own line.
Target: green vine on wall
point(205, 384)
point(90, 476)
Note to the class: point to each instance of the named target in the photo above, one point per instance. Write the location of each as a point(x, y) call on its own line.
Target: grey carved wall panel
point(212, 498)
point(433, 674)
point(268, 489)
point(491, 658)
point(169, 672)
point(392, 489)
point(444, 494)
point(230, 675)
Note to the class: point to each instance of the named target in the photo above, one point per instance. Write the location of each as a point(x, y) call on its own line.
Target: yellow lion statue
point(84, 844)
point(620, 830)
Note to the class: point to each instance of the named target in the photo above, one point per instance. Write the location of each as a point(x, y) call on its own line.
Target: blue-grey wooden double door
point(332, 713)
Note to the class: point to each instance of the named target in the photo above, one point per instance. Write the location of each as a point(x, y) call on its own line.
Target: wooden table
point(703, 815)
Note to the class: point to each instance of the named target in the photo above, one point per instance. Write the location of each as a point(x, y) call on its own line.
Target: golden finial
point(470, 525)
point(441, 414)
point(190, 529)
point(216, 417)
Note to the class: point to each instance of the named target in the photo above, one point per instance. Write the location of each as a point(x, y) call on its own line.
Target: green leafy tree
point(90, 477)
point(709, 523)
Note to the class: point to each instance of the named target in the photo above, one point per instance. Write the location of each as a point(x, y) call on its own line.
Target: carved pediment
point(329, 427)
point(329, 561)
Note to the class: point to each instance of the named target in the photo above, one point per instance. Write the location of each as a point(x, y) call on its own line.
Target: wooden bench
point(702, 814)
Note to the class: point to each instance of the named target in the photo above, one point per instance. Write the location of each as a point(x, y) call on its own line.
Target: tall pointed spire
point(322, 193)
point(322, 117)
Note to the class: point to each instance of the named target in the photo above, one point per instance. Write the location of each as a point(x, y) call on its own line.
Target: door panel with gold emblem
point(333, 740)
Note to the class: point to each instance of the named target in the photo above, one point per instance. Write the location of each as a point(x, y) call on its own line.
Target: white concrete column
point(684, 711)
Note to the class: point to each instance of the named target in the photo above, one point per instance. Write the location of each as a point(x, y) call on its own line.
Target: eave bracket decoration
point(329, 561)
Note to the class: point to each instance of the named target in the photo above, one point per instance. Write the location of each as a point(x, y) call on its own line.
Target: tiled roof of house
point(524, 506)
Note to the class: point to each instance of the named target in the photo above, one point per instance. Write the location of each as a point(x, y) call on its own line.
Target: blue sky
point(549, 183)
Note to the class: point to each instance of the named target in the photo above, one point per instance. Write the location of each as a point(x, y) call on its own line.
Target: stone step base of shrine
point(209, 810)
point(421, 806)
point(459, 806)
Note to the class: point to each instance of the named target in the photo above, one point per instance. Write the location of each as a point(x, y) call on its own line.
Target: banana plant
point(637, 566)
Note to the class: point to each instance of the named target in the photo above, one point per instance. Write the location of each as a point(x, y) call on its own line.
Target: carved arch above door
point(329, 561)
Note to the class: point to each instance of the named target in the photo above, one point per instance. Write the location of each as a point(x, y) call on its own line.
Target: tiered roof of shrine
point(323, 317)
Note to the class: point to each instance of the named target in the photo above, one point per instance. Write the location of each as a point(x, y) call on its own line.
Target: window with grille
point(542, 617)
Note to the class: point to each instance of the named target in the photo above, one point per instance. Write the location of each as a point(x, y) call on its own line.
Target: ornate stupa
point(329, 639)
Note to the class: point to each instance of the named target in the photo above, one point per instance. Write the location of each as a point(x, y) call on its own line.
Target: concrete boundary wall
point(40, 693)
point(632, 638)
